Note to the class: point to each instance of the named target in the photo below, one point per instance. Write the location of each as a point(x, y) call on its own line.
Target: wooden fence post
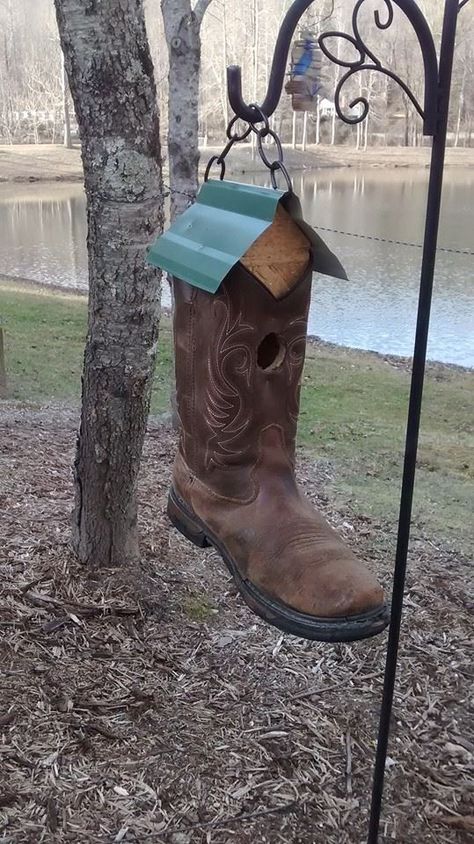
point(3, 371)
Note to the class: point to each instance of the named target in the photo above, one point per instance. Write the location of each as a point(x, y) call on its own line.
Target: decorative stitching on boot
point(294, 362)
point(228, 413)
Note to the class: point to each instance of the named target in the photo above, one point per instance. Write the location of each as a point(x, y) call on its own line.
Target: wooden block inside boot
point(279, 257)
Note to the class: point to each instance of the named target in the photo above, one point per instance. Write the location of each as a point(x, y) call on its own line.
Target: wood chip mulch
point(174, 716)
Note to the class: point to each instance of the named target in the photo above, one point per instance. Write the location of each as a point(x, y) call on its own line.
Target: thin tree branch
point(245, 816)
point(329, 15)
point(200, 9)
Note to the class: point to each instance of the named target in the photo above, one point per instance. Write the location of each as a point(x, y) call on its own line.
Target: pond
point(44, 236)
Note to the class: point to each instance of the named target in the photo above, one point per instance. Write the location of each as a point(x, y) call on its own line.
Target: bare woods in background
point(31, 73)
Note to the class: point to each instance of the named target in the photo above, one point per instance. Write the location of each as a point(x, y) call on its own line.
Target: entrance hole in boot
point(271, 352)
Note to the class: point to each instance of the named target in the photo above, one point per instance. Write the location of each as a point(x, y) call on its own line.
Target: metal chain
point(274, 166)
point(233, 138)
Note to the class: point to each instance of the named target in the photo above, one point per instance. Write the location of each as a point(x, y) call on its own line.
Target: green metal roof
point(211, 236)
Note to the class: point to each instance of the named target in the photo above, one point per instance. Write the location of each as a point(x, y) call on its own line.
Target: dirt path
point(179, 717)
point(52, 162)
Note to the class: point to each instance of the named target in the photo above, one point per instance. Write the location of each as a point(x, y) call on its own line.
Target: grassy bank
point(44, 343)
point(353, 411)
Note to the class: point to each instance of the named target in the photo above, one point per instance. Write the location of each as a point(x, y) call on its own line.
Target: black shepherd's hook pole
point(435, 112)
point(416, 394)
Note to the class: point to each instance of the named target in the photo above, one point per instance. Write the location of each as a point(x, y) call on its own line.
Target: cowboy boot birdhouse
point(242, 260)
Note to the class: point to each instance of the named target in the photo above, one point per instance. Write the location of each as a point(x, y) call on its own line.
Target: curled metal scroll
point(365, 60)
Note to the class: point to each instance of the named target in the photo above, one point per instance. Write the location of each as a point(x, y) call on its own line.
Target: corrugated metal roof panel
point(211, 236)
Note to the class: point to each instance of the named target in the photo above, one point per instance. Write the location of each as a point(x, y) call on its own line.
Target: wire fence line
point(449, 249)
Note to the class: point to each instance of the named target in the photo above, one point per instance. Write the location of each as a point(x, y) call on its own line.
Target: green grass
point(198, 608)
point(45, 335)
point(353, 410)
point(44, 341)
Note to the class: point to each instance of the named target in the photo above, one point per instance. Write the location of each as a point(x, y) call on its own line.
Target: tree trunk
point(182, 27)
point(182, 31)
point(253, 137)
point(226, 62)
point(3, 370)
point(359, 132)
point(460, 110)
point(333, 129)
point(111, 81)
point(407, 120)
point(305, 130)
point(66, 115)
point(468, 134)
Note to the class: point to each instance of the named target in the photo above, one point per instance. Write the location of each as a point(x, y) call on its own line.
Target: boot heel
point(186, 526)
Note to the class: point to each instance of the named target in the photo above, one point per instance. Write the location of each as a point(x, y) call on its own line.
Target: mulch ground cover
point(151, 706)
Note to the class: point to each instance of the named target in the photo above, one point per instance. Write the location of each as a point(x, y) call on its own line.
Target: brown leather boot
point(239, 360)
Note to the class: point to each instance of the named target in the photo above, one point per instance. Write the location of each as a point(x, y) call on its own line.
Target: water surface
point(44, 238)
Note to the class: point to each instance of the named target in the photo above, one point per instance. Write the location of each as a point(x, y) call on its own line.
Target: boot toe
point(334, 597)
point(333, 585)
point(344, 613)
point(352, 591)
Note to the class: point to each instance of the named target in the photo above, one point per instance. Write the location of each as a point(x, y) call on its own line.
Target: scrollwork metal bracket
point(366, 60)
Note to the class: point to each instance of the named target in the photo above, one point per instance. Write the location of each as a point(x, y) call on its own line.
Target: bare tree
point(182, 25)
point(67, 118)
point(111, 80)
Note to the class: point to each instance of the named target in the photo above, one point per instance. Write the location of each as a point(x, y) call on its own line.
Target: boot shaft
point(239, 358)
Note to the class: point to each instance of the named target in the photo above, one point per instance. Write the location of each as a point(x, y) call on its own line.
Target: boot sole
point(341, 629)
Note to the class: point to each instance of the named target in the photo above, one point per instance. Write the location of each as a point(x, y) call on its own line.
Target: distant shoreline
point(398, 361)
point(25, 163)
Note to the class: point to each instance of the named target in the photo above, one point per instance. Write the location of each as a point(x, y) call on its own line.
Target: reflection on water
point(44, 235)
